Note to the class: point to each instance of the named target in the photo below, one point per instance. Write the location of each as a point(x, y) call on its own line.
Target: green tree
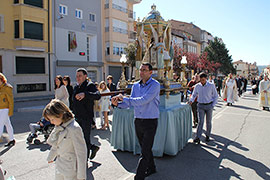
point(218, 53)
point(131, 54)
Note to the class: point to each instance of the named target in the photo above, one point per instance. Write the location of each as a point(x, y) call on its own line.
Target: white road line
point(219, 113)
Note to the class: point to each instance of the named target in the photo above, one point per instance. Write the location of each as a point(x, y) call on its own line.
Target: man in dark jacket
point(84, 94)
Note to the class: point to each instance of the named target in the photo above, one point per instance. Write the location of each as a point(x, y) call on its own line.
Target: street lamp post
point(183, 73)
point(122, 82)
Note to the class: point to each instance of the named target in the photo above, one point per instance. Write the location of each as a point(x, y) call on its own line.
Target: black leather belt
point(145, 119)
point(206, 103)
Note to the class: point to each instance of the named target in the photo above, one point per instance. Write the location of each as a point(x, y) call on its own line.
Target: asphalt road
point(239, 149)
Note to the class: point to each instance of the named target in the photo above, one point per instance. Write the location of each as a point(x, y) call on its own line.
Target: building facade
point(77, 38)
point(195, 39)
point(118, 32)
point(25, 46)
point(245, 69)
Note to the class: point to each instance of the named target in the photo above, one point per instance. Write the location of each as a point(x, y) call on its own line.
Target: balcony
point(131, 14)
point(120, 8)
point(134, 1)
point(120, 30)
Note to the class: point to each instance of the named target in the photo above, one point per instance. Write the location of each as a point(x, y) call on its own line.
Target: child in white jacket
point(68, 145)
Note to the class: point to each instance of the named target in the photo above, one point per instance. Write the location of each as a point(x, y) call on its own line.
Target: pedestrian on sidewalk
point(61, 92)
point(68, 145)
point(264, 97)
point(84, 95)
point(230, 91)
point(219, 85)
point(104, 105)
point(191, 85)
point(207, 98)
point(67, 83)
point(145, 100)
point(6, 109)
point(254, 86)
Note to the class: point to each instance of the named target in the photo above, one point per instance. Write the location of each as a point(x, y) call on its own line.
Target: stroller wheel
point(37, 141)
point(29, 139)
point(46, 137)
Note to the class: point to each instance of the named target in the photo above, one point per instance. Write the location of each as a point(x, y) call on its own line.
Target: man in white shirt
point(207, 98)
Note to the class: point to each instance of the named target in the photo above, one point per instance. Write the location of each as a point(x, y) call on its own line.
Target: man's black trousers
point(86, 128)
point(145, 131)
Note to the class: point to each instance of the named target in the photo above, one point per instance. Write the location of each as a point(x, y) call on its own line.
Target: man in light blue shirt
point(145, 100)
point(207, 98)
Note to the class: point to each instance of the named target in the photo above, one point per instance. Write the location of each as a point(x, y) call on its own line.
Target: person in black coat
point(67, 83)
point(253, 82)
point(111, 85)
point(245, 84)
point(84, 94)
point(219, 85)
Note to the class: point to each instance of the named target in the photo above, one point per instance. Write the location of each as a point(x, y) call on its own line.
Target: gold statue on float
point(154, 41)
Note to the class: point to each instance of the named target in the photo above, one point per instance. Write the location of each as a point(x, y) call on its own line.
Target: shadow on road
point(103, 134)
point(94, 166)
point(43, 147)
point(203, 161)
point(5, 150)
point(245, 107)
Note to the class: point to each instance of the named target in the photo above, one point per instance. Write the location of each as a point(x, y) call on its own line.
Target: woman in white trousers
point(6, 108)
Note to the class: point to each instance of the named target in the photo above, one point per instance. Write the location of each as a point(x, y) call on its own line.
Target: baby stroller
point(43, 127)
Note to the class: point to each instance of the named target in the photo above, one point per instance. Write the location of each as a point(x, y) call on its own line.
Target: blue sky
point(244, 25)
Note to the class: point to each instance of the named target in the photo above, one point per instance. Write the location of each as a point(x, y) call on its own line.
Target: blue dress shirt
point(144, 98)
point(206, 93)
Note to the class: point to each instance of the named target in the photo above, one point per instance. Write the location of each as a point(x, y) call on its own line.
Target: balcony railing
point(120, 30)
point(120, 8)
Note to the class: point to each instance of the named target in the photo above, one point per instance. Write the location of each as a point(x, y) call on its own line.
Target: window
point(2, 23)
point(120, 5)
point(22, 88)
point(78, 13)
point(37, 3)
point(88, 48)
point(33, 30)
point(92, 17)
point(107, 25)
point(30, 65)
point(119, 26)
point(107, 49)
point(16, 1)
point(92, 75)
point(118, 48)
point(16, 29)
point(63, 9)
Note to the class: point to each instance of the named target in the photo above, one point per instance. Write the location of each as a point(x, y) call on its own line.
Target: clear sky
point(244, 25)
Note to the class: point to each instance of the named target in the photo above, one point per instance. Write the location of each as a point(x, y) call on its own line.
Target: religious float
point(153, 45)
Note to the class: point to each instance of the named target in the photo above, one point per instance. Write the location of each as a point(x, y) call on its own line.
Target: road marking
point(219, 113)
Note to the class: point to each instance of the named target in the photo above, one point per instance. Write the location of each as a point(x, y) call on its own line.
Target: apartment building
point(25, 46)
point(118, 31)
point(202, 38)
point(77, 38)
point(245, 69)
point(191, 34)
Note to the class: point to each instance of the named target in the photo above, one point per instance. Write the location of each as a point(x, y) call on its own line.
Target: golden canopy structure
point(153, 41)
